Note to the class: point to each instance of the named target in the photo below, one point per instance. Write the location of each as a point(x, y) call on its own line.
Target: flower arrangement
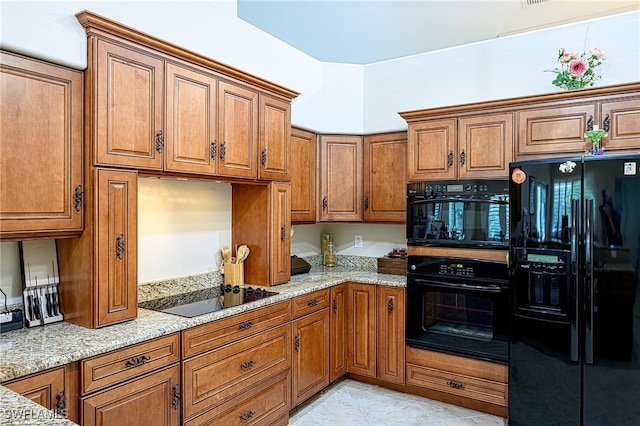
point(577, 71)
point(596, 136)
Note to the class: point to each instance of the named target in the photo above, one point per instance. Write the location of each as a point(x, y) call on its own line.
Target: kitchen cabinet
point(340, 197)
point(390, 334)
point(310, 360)
point(303, 176)
point(261, 217)
point(98, 271)
point(275, 138)
point(361, 329)
point(385, 177)
point(477, 146)
point(338, 333)
point(41, 126)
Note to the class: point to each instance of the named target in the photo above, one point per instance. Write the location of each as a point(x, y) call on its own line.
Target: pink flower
point(567, 57)
point(577, 67)
point(597, 53)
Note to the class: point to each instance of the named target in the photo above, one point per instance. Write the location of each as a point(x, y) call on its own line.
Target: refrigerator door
point(611, 377)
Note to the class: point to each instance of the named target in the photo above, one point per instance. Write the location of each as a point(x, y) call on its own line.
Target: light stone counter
point(28, 351)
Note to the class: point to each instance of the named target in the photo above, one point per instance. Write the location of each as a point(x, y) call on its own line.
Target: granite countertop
point(32, 350)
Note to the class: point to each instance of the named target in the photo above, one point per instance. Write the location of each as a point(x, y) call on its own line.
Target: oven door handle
point(468, 287)
point(458, 200)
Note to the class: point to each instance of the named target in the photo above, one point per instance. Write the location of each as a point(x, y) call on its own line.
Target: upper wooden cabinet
point(40, 149)
point(154, 106)
point(385, 177)
point(303, 176)
point(340, 197)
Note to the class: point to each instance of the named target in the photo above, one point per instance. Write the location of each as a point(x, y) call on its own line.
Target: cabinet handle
point(590, 123)
point(159, 141)
point(247, 365)
point(312, 302)
point(283, 233)
point(297, 344)
point(247, 416)
point(264, 157)
point(390, 305)
point(324, 203)
point(450, 159)
point(223, 150)
point(245, 325)
point(335, 306)
point(606, 123)
point(214, 149)
point(175, 401)
point(61, 403)
point(463, 157)
point(77, 200)
point(366, 203)
point(455, 385)
point(137, 361)
point(120, 246)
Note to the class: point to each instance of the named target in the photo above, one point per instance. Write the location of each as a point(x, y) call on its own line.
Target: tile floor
point(352, 403)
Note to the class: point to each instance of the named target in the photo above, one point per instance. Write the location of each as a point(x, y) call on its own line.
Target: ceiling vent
point(530, 3)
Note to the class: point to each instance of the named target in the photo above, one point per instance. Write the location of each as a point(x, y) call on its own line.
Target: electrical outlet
point(358, 242)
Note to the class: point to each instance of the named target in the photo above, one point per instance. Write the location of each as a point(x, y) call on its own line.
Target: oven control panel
point(457, 269)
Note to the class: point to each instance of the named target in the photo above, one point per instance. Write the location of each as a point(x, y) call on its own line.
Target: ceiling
point(367, 31)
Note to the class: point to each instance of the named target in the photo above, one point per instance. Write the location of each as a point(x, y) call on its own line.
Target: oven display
point(458, 269)
point(455, 188)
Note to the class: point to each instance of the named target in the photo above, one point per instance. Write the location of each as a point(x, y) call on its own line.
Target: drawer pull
point(246, 325)
point(312, 302)
point(137, 361)
point(455, 385)
point(335, 306)
point(175, 401)
point(247, 365)
point(297, 343)
point(390, 306)
point(247, 416)
point(61, 403)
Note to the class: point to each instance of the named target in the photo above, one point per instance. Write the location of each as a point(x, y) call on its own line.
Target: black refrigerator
point(574, 332)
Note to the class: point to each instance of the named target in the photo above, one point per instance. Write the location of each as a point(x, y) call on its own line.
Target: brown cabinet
point(361, 329)
point(41, 151)
point(261, 216)
point(385, 177)
point(98, 271)
point(275, 138)
point(390, 334)
point(338, 333)
point(479, 146)
point(340, 197)
point(303, 176)
point(47, 389)
point(310, 361)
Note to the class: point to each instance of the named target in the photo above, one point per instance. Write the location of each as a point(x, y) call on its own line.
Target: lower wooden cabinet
point(390, 334)
point(338, 333)
point(152, 400)
point(361, 326)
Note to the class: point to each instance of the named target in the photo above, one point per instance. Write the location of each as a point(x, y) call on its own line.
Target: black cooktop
point(205, 301)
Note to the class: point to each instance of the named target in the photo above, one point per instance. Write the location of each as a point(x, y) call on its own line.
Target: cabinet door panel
point(430, 148)
point(41, 388)
point(238, 130)
point(385, 177)
point(191, 120)
point(390, 334)
point(41, 149)
point(310, 355)
point(303, 176)
point(623, 117)
point(281, 253)
point(117, 244)
point(338, 361)
point(275, 138)
point(485, 146)
point(129, 107)
point(361, 329)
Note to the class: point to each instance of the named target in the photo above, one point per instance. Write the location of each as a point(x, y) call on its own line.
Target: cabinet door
point(431, 150)
point(150, 400)
point(338, 359)
point(190, 144)
point(46, 389)
point(41, 149)
point(116, 246)
point(310, 355)
point(128, 105)
point(361, 327)
point(553, 130)
point(275, 138)
point(238, 131)
point(485, 146)
point(281, 233)
point(385, 177)
point(303, 176)
point(390, 334)
point(341, 178)
point(622, 117)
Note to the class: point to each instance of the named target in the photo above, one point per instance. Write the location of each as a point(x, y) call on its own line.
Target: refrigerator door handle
point(575, 306)
point(589, 281)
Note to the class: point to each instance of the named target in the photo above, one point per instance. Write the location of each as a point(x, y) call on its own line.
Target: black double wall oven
point(458, 305)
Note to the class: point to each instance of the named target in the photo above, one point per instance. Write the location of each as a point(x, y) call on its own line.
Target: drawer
point(105, 370)
point(216, 376)
point(312, 302)
point(260, 405)
point(458, 364)
point(218, 333)
point(457, 384)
